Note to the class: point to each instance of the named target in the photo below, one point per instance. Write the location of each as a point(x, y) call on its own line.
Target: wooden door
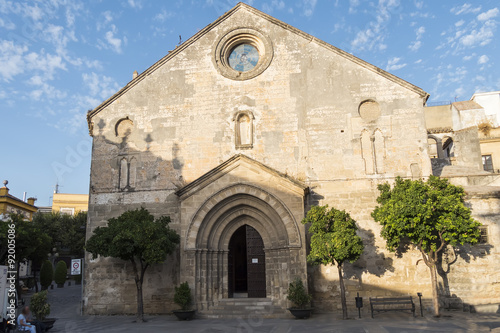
point(256, 264)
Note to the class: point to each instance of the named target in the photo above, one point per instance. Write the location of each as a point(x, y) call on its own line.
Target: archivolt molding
point(213, 222)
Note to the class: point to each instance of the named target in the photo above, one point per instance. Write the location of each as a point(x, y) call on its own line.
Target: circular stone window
point(369, 110)
point(243, 54)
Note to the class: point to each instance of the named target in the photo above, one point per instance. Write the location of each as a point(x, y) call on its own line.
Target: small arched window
point(243, 122)
point(124, 127)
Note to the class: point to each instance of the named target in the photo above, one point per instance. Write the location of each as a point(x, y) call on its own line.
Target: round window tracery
point(243, 57)
point(243, 54)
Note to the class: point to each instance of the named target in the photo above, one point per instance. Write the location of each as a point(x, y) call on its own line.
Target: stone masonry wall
point(320, 116)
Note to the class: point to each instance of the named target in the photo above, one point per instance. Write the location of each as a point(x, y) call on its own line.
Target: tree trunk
point(342, 293)
point(140, 304)
point(36, 282)
point(139, 278)
point(435, 296)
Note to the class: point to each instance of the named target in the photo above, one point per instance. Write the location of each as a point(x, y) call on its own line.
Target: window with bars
point(487, 163)
point(483, 239)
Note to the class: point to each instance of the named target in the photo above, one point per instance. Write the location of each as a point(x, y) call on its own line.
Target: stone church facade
point(234, 135)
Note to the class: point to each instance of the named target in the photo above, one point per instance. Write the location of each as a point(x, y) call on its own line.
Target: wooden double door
point(246, 264)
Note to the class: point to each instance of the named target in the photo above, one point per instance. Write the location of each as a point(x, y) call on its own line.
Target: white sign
point(76, 266)
point(255, 260)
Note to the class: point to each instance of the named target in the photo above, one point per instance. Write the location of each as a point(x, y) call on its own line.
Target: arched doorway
point(246, 264)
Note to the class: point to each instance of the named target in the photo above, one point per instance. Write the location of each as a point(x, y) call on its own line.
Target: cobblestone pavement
point(65, 306)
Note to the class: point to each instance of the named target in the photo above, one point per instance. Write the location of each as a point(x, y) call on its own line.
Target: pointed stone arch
point(242, 199)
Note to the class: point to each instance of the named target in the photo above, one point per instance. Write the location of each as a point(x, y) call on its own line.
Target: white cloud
point(483, 59)
point(33, 12)
point(100, 86)
point(308, 7)
point(466, 8)
point(459, 23)
point(482, 37)
point(469, 57)
point(353, 4)
point(112, 42)
point(420, 32)
point(373, 36)
point(419, 4)
point(7, 24)
point(43, 89)
point(414, 46)
point(163, 15)
point(45, 63)
point(135, 4)
point(393, 64)
point(116, 43)
point(274, 4)
point(488, 15)
point(11, 59)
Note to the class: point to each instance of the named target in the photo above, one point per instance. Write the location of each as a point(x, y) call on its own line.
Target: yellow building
point(70, 204)
point(9, 204)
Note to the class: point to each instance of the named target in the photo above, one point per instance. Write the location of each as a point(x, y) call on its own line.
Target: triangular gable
point(282, 24)
point(232, 163)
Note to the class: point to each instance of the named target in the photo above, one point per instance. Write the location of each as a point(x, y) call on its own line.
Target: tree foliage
point(430, 215)
point(297, 294)
point(32, 242)
point(182, 296)
point(60, 272)
point(137, 237)
point(46, 274)
point(333, 241)
point(39, 305)
point(66, 231)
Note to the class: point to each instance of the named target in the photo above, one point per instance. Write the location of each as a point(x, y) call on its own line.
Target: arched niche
point(243, 129)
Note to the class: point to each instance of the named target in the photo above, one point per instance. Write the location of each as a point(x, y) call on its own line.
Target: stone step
point(244, 308)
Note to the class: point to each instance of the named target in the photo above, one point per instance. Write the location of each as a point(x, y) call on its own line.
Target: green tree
point(61, 272)
point(46, 274)
point(333, 241)
point(32, 243)
point(430, 215)
point(67, 231)
point(137, 237)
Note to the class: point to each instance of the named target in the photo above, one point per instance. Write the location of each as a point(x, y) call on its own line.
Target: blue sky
point(60, 58)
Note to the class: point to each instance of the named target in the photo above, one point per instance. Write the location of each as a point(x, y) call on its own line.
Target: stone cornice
point(231, 164)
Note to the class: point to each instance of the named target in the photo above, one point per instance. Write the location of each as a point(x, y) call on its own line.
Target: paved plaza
point(65, 307)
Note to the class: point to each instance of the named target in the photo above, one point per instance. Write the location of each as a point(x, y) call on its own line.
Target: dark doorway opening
point(246, 264)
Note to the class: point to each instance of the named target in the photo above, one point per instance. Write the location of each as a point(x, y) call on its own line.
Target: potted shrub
point(41, 309)
point(46, 275)
point(60, 273)
point(298, 295)
point(182, 297)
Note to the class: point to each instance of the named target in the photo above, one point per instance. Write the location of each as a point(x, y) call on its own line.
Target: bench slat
point(383, 304)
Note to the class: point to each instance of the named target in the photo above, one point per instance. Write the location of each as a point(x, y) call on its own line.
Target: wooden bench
point(383, 304)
